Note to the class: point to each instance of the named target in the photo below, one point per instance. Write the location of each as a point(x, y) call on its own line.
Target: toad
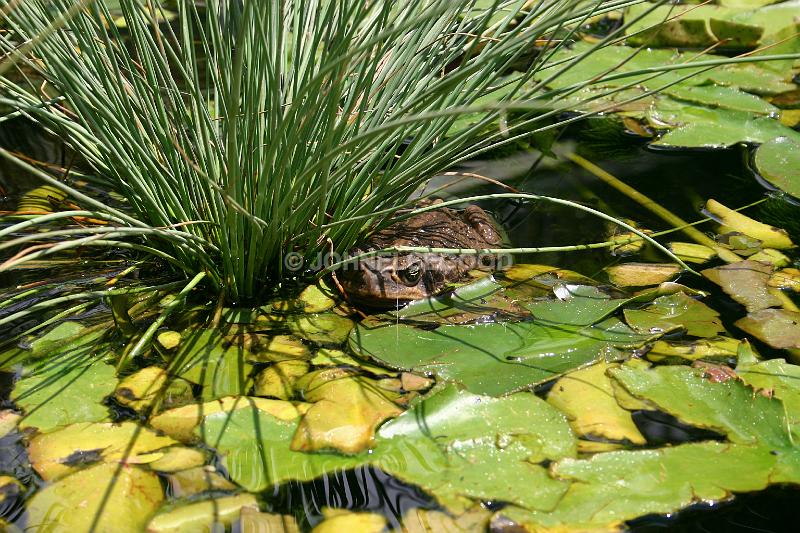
point(388, 281)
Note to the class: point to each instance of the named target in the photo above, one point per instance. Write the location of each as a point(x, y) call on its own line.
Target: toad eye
point(411, 275)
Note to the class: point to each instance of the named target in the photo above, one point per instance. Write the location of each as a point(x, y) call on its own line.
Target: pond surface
point(679, 181)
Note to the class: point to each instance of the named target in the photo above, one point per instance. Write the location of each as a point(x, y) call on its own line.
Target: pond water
point(679, 181)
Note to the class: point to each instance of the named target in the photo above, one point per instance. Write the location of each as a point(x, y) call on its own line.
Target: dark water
point(680, 181)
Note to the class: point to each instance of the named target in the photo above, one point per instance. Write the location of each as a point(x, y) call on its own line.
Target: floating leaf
point(105, 497)
point(691, 252)
point(587, 398)
point(494, 358)
point(181, 422)
point(745, 282)
point(459, 446)
point(72, 447)
point(8, 421)
point(777, 327)
point(642, 274)
point(207, 515)
point(252, 521)
point(152, 386)
point(419, 520)
point(344, 415)
point(673, 311)
point(278, 380)
point(64, 391)
point(770, 236)
point(177, 458)
point(336, 520)
point(778, 161)
point(779, 379)
point(203, 358)
point(719, 347)
point(192, 481)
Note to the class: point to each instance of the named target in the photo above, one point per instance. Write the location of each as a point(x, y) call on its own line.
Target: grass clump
point(243, 131)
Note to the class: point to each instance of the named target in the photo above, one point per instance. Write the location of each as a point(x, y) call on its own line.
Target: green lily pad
point(71, 448)
point(612, 487)
point(775, 378)
point(777, 327)
point(204, 359)
point(64, 391)
point(105, 497)
point(459, 446)
point(674, 311)
point(69, 339)
point(778, 162)
point(494, 358)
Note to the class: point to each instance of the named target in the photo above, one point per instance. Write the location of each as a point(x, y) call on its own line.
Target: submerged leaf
point(203, 358)
point(777, 327)
point(745, 282)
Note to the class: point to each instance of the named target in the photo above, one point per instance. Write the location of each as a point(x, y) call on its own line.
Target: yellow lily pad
point(276, 348)
point(690, 252)
point(278, 380)
point(169, 339)
point(344, 415)
point(770, 236)
point(178, 458)
point(102, 498)
point(786, 279)
point(337, 520)
point(207, 515)
point(745, 282)
point(152, 387)
point(693, 350)
point(181, 421)
point(641, 274)
point(8, 421)
point(777, 327)
point(252, 521)
point(587, 398)
point(72, 447)
point(186, 483)
point(419, 520)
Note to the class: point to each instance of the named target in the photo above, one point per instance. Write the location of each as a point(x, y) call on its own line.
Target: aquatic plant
point(243, 131)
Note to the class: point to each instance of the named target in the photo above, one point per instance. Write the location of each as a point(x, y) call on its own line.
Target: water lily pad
point(336, 520)
point(344, 415)
point(8, 421)
point(419, 520)
point(177, 458)
point(587, 398)
point(766, 235)
point(192, 481)
point(275, 348)
point(777, 327)
point(641, 274)
point(678, 310)
point(692, 350)
point(775, 378)
point(204, 359)
point(494, 358)
point(252, 521)
point(64, 391)
point(459, 446)
point(778, 161)
point(692, 252)
point(278, 380)
point(101, 498)
point(207, 515)
point(152, 387)
point(73, 447)
point(322, 328)
point(181, 422)
point(745, 282)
